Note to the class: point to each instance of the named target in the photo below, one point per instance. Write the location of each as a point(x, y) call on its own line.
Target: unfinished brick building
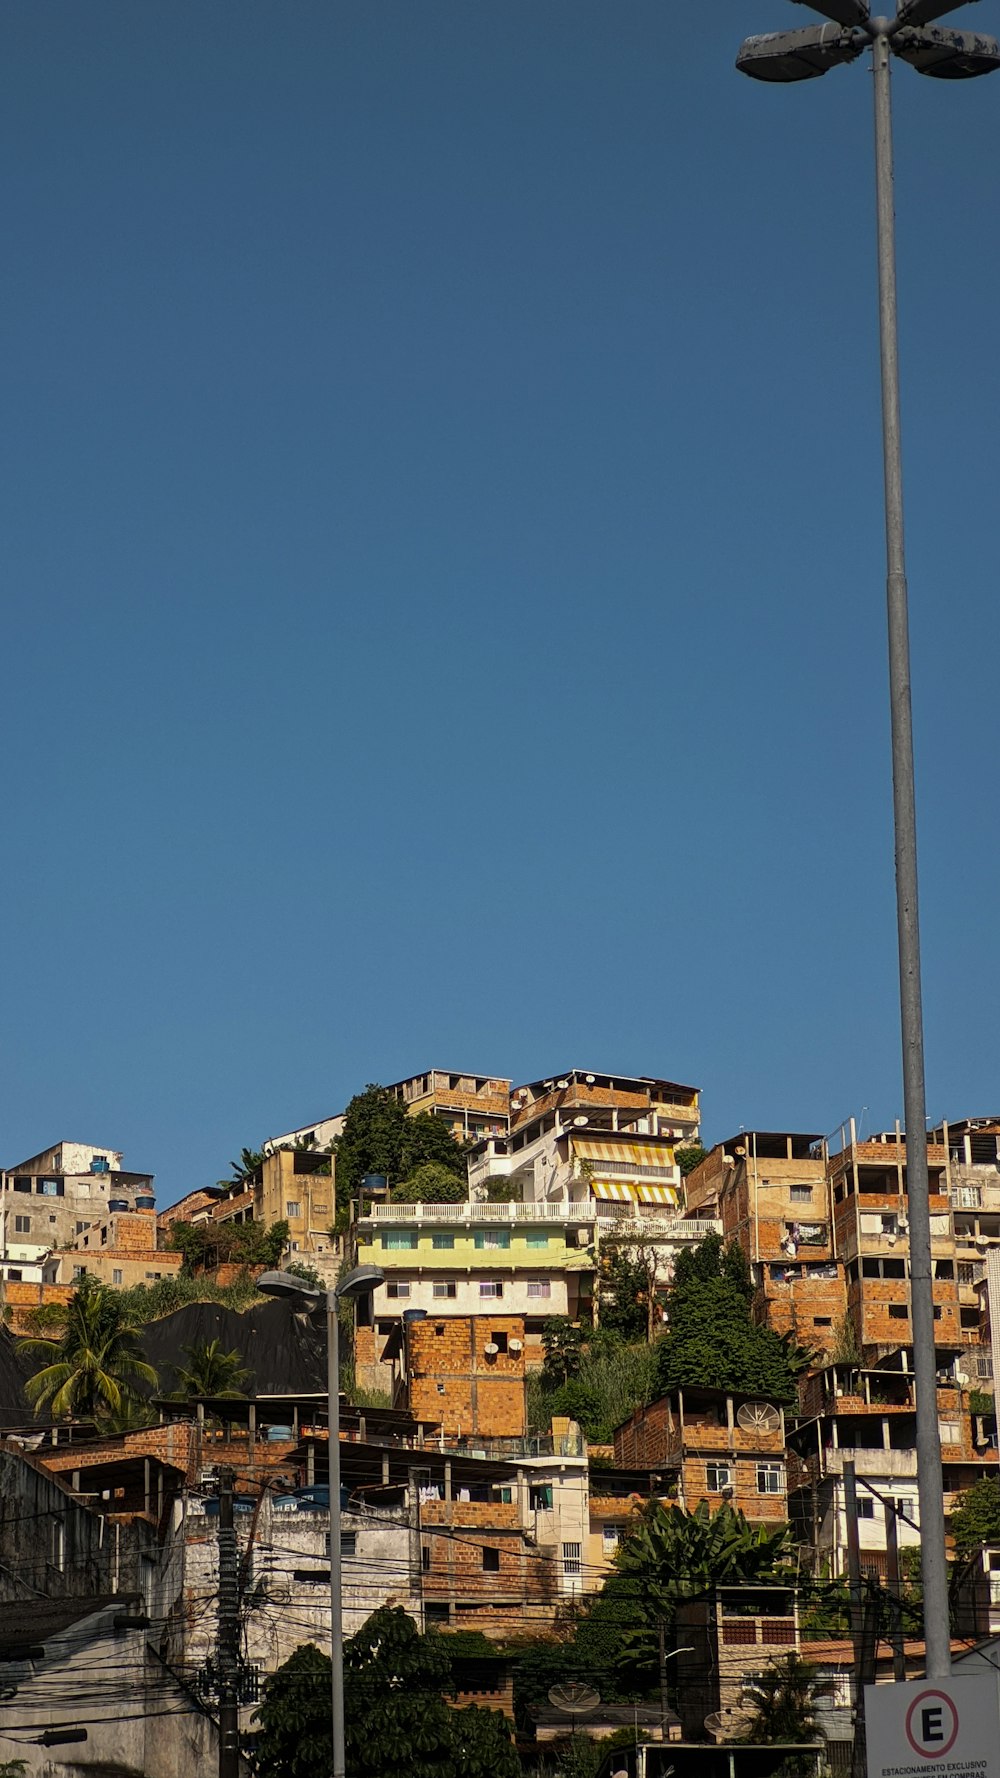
point(714, 1446)
point(466, 1372)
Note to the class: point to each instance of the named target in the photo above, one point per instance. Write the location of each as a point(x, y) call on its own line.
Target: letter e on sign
point(932, 1724)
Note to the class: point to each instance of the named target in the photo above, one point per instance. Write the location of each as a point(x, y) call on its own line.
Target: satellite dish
point(574, 1699)
point(719, 1722)
point(758, 1416)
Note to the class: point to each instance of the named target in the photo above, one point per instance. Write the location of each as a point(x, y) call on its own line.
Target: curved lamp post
point(361, 1282)
point(948, 55)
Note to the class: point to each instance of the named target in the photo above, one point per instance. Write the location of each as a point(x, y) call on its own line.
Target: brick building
point(467, 1372)
point(49, 1199)
point(475, 1107)
point(713, 1446)
point(122, 1249)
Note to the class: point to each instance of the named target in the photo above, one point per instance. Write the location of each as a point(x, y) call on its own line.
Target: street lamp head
point(948, 55)
point(786, 56)
point(924, 12)
point(287, 1284)
point(361, 1282)
point(844, 12)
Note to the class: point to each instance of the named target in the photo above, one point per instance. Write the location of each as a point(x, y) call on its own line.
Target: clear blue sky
point(443, 616)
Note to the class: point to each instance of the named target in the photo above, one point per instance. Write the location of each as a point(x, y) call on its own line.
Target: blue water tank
point(414, 1314)
point(374, 1182)
point(117, 1203)
point(145, 1203)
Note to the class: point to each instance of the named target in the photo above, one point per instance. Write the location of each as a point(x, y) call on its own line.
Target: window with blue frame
point(538, 1237)
point(400, 1243)
point(444, 1243)
point(492, 1238)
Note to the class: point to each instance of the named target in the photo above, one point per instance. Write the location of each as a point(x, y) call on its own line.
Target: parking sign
point(934, 1728)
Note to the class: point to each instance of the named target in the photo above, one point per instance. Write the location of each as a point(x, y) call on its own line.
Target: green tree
point(975, 1521)
point(783, 1700)
point(689, 1157)
point(431, 1183)
point(711, 1340)
point(628, 1290)
point(245, 1170)
point(501, 1190)
point(562, 1343)
point(379, 1136)
point(93, 1367)
point(669, 1555)
point(210, 1371)
point(396, 1719)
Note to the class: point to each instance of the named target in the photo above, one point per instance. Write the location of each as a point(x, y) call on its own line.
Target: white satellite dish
point(574, 1698)
point(758, 1416)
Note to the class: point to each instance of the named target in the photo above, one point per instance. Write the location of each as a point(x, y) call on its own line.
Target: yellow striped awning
point(624, 1154)
point(611, 1188)
point(656, 1194)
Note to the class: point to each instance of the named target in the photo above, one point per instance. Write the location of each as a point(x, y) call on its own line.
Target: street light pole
point(930, 1480)
point(802, 55)
point(336, 1596)
point(362, 1281)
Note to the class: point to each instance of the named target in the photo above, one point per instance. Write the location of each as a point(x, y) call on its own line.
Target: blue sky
point(443, 617)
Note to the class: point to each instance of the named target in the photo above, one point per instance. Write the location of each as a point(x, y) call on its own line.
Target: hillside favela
point(623, 1474)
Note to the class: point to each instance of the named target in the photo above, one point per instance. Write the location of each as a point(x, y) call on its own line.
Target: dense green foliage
point(379, 1136)
point(711, 1340)
point(975, 1522)
point(149, 1302)
point(210, 1371)
point(669, 1555)
point(431, 1183)
point(206, 1245)
point(396, 1719)
point(501, 1190)
point(628, 1291)
point(783, 1702)
point(91, 1368)
point(594, 1377)
point(689, 1157)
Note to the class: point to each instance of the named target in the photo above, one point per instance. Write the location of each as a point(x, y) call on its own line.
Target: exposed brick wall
point(452, 1378)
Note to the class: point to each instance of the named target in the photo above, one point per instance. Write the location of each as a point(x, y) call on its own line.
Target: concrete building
point(581, 1135)
point(122, 1249)
point(729, 1635)
point(475, 1107)
point(771, 1192)
point(532, 1260)
point(49, 1199)
point(713, 1446)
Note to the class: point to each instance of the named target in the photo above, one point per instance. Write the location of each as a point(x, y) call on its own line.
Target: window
point(425, 1558)
point(822, 1320)
point(499, 1339)
point(14, 1274)
point(866, 1508)
point(540, 1498)
point(58, 1545)
point(50, 1188)
point(539, 1287)
point(984, 1367)
point(400, 1243)
point(79, 1271)
point(397, 1287)
point(444, 1243)
point(951, 1432)
point(445, 1288)
point(22, 1225)
point(572, 1558)
point(491, 1560)
point(81, 1226)
point(537, 1238)
point(769, 1478)
point(490, 1287)
point(492, 1238)
point(22, 1185)
point(116, 1275)
point(52, 1216)
point(293, 1208)
point(611, 1538)
point(897, 1312)
point(717, 1477)
point(801, 1194)
point(348, 1543)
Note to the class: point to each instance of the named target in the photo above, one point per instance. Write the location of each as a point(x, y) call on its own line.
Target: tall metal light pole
point(800, 55)
point(361, 1282)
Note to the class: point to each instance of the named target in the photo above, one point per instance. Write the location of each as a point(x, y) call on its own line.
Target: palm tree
point(94, 1365)
point(670, 1555)
point(783, 1701)
point(210, 1372)
point(244, 1169)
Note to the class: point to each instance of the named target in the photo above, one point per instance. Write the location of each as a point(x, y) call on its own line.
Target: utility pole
point(895, 1593)
point(229, 1633)
point(664, 1704)
point(857, 1613)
